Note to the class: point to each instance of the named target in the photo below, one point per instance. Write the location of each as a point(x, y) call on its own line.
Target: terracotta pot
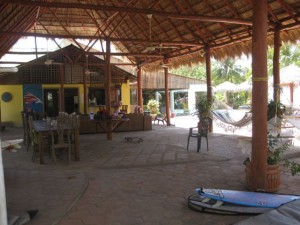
point(273, 177)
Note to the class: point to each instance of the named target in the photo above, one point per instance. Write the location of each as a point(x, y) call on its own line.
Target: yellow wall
point(126, 94)
point(80, 92)
point(11, 111)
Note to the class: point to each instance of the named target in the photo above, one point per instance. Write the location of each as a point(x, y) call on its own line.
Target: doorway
point(51, 102)
point(71, 100)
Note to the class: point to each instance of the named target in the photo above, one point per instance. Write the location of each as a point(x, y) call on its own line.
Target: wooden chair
point(199, 132)
point(26, 131)
point(160, 118)
point(75, 125)
point(123, 109)
point(32, 139)
point(60, 139)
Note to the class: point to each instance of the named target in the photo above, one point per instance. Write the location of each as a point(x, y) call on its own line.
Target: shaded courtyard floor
point(120, 183)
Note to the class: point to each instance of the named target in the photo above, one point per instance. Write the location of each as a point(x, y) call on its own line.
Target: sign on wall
point(32, 98)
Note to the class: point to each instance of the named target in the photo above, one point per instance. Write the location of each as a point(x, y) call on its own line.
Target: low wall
point(136, 122)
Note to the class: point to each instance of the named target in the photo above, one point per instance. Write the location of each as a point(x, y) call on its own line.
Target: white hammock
point(232, 118)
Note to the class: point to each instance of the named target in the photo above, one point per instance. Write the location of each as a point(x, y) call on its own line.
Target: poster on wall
point(32, 98)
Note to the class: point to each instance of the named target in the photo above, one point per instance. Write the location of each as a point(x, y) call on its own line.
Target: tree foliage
point(289, 54)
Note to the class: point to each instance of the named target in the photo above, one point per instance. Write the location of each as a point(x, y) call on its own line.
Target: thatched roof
point(178, 30)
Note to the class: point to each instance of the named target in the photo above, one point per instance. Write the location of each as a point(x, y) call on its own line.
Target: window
point(96, 96)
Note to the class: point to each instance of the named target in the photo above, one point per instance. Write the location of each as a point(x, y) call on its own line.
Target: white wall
point(192, 94)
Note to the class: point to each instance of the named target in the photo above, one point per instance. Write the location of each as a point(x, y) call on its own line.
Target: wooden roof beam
point(288, 9)
point(175, 28)
point(204, 39)
point(88, 53)
point(234, 12)
point(65, 29)
point(42, 63)
point(26, 34)
point(131, 10)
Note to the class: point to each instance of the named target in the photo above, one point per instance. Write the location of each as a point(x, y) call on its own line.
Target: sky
point(28, 45)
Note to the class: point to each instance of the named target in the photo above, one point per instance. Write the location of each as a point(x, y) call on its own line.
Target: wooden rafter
point(131, 10)
point(187, 25)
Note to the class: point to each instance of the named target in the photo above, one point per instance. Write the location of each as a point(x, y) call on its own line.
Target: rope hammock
point(229, 121)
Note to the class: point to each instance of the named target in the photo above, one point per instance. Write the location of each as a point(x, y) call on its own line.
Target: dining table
point(110, 125)
point(43, 130)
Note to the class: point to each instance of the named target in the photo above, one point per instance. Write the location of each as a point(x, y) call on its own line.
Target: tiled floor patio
point(119, 183)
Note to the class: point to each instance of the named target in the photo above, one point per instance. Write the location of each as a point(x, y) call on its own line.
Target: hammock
point(229, 119)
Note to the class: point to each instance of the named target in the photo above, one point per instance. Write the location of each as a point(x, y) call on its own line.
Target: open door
point(51, 102)
point(71, 100)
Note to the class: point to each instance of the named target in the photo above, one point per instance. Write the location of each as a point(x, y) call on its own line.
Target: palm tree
point(228, 70)
point(289, 54)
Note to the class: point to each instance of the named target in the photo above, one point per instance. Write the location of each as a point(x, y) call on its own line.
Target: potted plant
point(153, 107)
point(277, 145)
point(203, 107)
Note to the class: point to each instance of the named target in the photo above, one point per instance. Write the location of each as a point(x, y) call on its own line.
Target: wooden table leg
point(77, 147)
point(41, 147)
point(109, 130)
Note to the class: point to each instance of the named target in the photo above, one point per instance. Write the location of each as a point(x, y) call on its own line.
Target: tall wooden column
point(108, 84)
point(208, 77)
point(208, 74)
point(62, 91)
point(259, 96)
point(3, 210)
point(167, 98)
point(139, 86)
point(85, 97)
point(276, 65)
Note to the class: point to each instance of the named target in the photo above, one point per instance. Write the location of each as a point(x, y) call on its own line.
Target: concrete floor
point(120, 183)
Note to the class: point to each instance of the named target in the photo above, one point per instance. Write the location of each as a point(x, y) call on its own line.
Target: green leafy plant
point(153, 106)
point(275, 109)
point(276, 147)
point(203, 107)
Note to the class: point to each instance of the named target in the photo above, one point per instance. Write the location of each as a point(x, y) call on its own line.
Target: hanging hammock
point(229, 121)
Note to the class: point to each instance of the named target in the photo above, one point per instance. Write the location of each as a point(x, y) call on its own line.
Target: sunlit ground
point(192, 121)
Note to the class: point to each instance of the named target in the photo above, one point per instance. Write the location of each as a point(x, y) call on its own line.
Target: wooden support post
point(276, 66)
point(62, 91)
point(108, 84)
point(139, 86)
point(208, 77)
point(85, 99)
point(259, 96)
point(292, 85)
point(167, 98)
point(3, 210)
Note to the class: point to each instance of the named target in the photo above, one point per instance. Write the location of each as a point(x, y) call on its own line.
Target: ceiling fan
point(49, 62)
point(152, 48)
point(87, 70)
